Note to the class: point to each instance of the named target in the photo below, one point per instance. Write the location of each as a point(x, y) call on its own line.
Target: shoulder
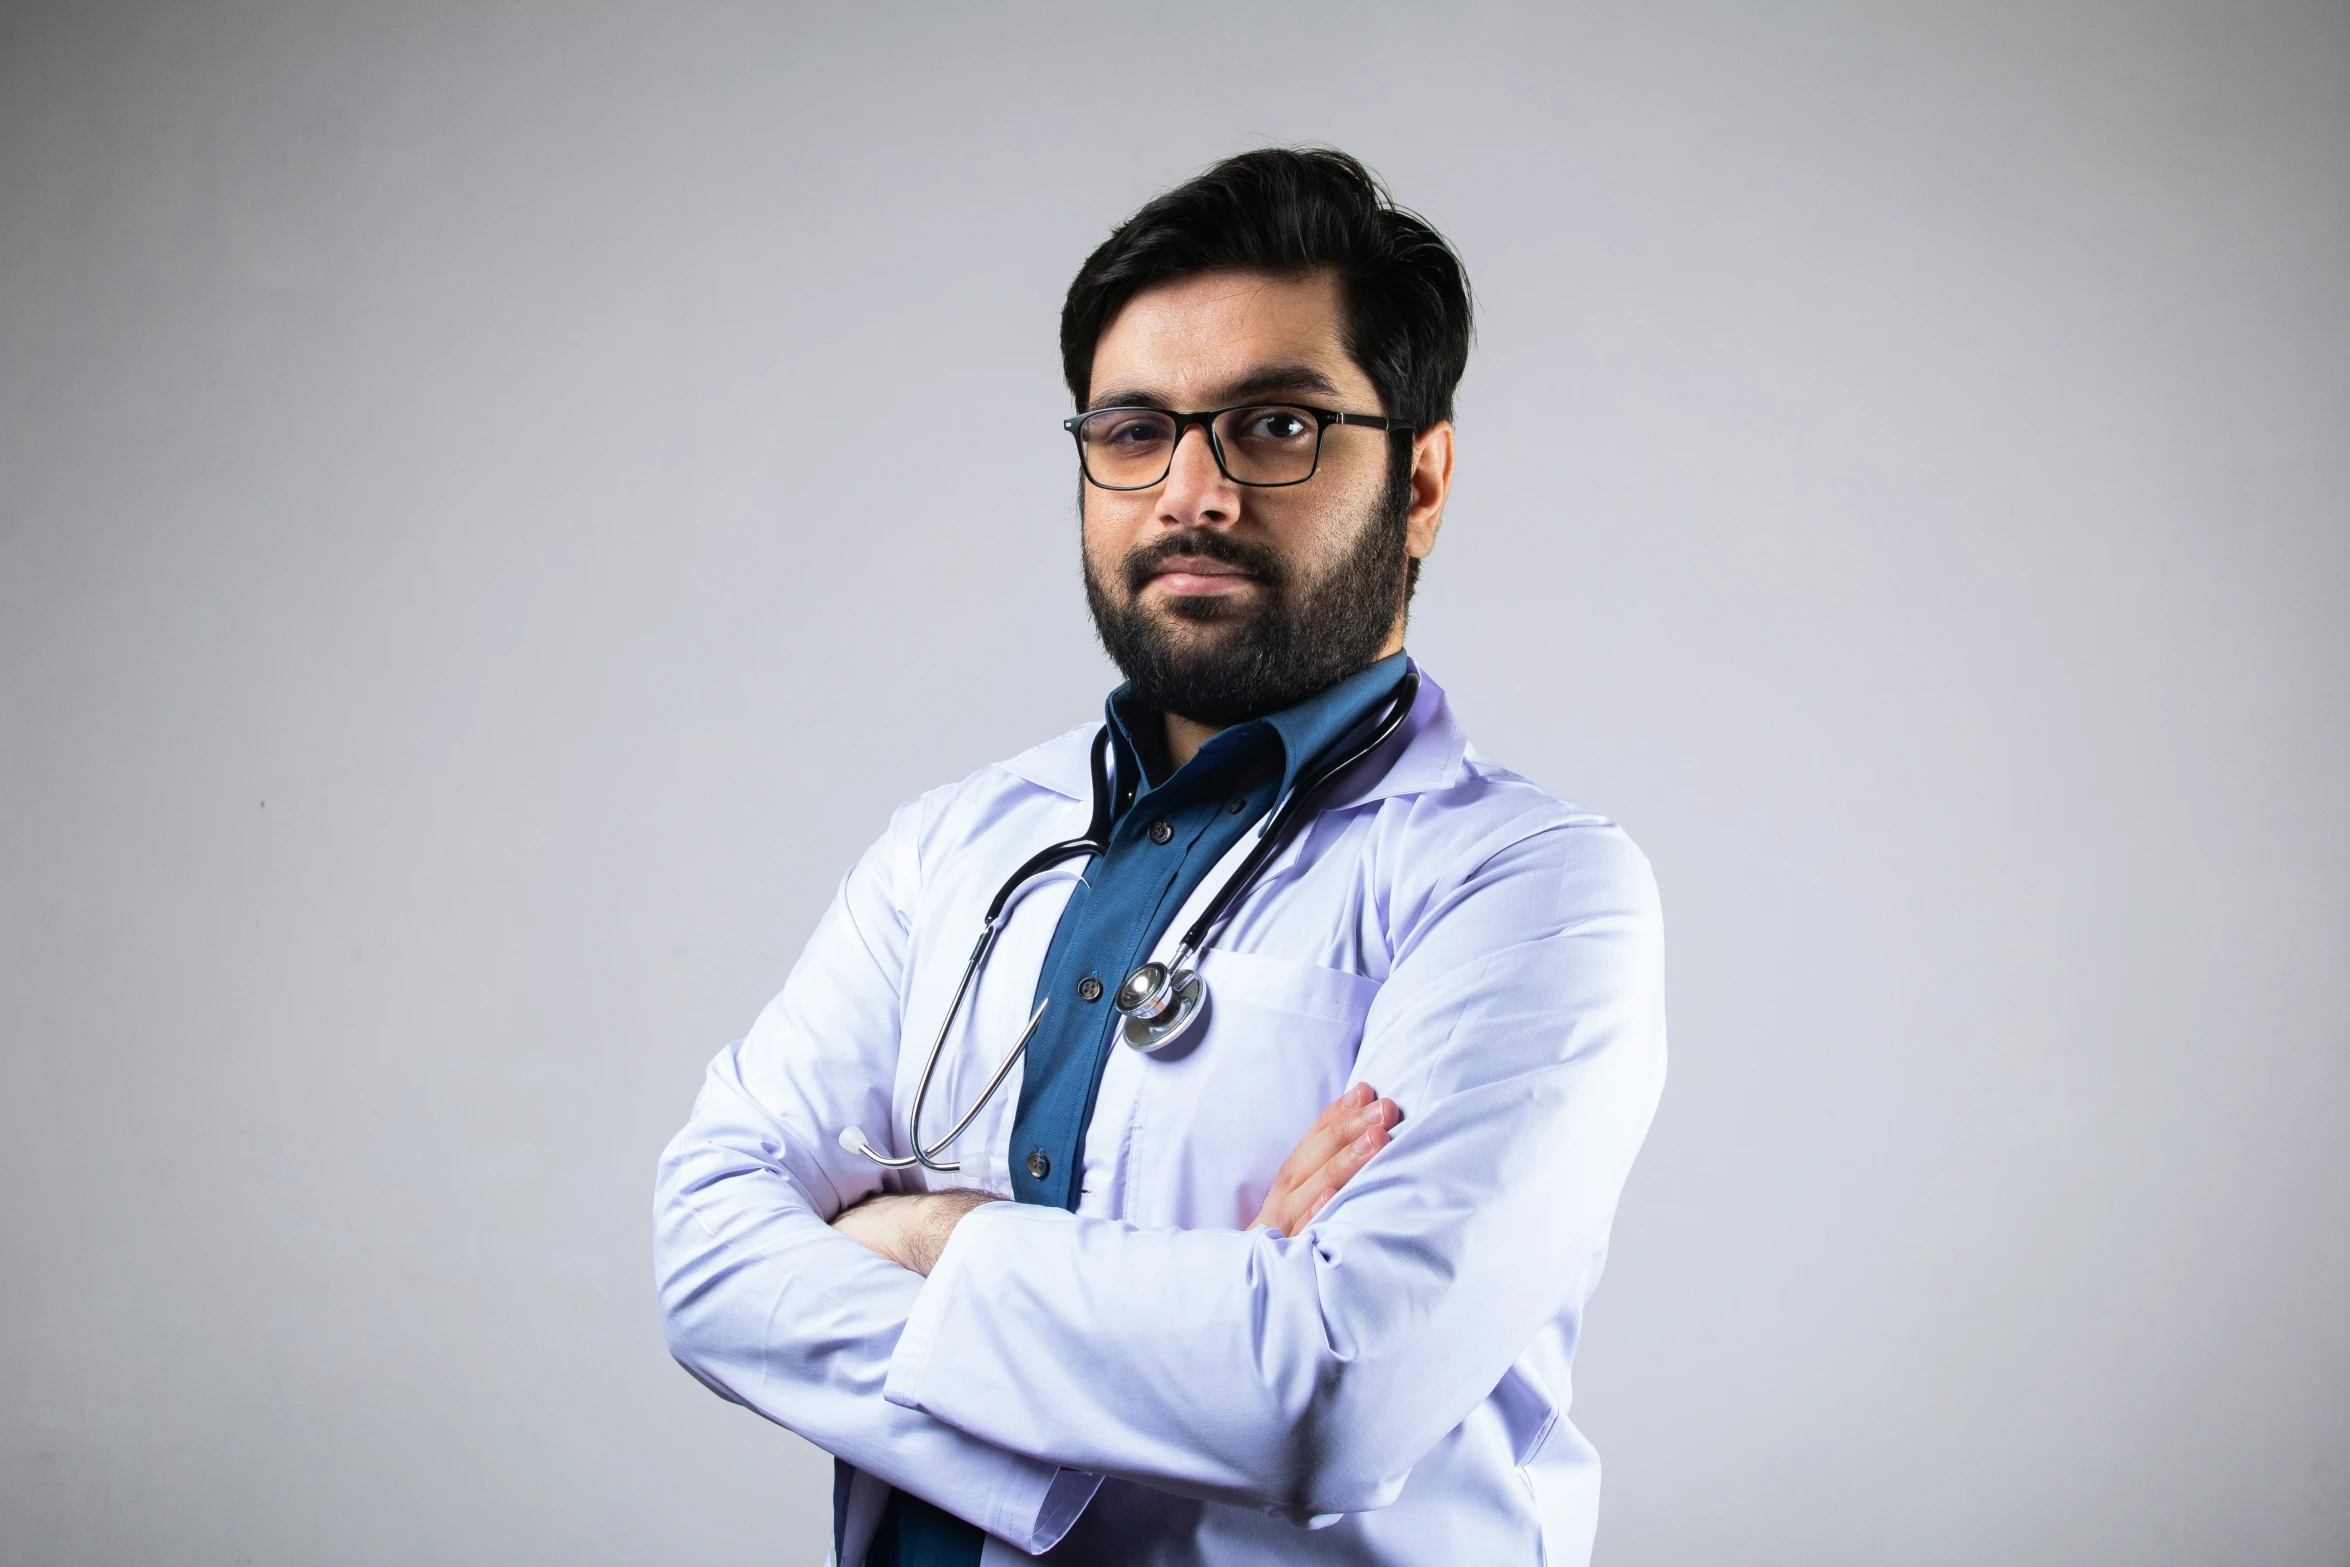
point(1479, 835)
point(1528, 827)
point(1036, 782)
point(1451, 813)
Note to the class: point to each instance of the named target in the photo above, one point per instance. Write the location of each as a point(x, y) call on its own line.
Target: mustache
point(1144, 561)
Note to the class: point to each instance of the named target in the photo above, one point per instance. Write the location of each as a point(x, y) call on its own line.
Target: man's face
point(1221, 601)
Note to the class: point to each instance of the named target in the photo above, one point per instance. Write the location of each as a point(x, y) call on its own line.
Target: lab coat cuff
point(1036, 1505)
point(989, 1223)
point(1067, 1497)
point(1031, 1512)
point(902, 1386)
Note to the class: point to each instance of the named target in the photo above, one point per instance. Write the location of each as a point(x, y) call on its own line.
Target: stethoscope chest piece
point(1157, 1006)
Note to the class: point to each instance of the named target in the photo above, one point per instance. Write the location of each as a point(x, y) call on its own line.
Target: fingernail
point(1363, 1143)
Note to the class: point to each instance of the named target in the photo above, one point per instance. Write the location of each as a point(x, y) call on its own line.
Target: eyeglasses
point(1259, 444)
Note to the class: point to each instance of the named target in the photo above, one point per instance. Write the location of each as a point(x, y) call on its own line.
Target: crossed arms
point(1301, 1368)
point(911, 1229)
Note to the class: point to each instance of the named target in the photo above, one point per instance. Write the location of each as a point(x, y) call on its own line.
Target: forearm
point(910, 1229)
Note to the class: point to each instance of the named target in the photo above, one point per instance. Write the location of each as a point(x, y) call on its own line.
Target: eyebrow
point(1265, 382)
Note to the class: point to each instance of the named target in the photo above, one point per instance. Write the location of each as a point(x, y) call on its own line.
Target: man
point(1191, 1336)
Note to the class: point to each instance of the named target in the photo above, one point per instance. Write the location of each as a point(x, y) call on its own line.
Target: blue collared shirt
point(1162, 845)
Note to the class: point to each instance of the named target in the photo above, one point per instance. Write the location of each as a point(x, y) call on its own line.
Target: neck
point(1185, 736)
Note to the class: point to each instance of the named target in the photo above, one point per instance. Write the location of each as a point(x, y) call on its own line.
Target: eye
point(1127, 429)
point(1274, 424)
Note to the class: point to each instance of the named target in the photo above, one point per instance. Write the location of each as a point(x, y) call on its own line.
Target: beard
point(1300, 638)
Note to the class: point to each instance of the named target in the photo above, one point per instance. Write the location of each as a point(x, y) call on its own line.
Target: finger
point(1310, 1194)
point(1287, 1206)
point(1339, 1113)
point(1308, 1203)
point(1343, 1147)
point(1339, 1123)
point(1343, 1165)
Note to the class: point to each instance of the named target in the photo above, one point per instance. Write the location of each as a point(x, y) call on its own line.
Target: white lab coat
point(1390, 1385)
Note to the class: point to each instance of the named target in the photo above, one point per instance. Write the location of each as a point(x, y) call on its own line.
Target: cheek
point(1107, 531)
point(1319, 531)
point(1094, 540)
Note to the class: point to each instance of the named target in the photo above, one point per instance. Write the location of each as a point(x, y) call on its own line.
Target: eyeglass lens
point(1132, 448)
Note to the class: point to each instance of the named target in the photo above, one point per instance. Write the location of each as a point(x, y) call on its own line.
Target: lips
point(1200, 563)
point(1195, 574)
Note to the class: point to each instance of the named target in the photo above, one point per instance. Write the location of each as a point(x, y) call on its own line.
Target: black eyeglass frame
point(1324, 418)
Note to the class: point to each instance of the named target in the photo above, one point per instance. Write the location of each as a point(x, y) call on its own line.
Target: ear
point(1431, 483)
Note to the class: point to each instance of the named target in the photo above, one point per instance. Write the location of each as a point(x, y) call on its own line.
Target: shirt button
point(1238, 805)
point(1089, 989)
point(1161, 832)
point(1038, 1165)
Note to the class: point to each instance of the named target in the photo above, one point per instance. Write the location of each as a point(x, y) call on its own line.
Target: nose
point(1195, 492)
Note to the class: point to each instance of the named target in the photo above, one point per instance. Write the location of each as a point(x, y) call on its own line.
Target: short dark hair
point(1291, 211)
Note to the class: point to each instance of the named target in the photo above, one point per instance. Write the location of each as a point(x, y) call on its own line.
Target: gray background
point(464, 600)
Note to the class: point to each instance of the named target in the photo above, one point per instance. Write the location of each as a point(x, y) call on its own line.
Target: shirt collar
point(1319, 722)
point(1428, 754)
point(1303, 731)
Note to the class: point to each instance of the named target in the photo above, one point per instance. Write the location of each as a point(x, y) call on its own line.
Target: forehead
point(1186, 341)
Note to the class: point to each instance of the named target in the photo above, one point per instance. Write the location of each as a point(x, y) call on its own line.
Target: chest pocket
point(1213, 1125)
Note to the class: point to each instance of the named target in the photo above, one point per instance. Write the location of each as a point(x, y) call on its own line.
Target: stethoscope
point(1157, 1003)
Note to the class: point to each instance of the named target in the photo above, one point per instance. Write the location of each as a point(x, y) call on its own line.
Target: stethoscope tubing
point(1171, 977)
point(1166, 981)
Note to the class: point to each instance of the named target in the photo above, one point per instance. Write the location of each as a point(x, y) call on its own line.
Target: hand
point(1340, 1142)
point(909, 1230)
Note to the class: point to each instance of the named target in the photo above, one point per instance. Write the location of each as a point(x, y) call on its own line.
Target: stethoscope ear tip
point(854, 1140)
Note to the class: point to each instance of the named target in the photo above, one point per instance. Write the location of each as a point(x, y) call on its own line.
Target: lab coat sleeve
point(761, 1299)
point(1522, 1030)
